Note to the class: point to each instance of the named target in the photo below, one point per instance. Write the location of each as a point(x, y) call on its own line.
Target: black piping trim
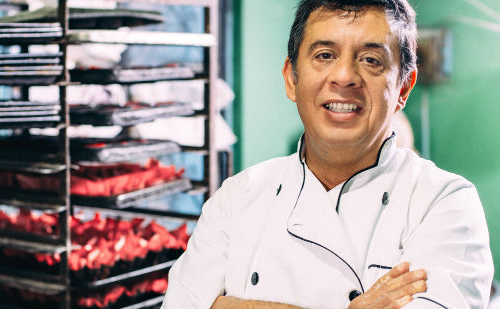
point(432, 301)
point(350, 267)
point(364, 170)
point(300, 150)
point(306, 240)
point(379, 266)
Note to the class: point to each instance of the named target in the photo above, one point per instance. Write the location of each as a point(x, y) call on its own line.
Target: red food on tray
point(112, 295)
point(97, 180)
point(100, 242)
point(115, 179)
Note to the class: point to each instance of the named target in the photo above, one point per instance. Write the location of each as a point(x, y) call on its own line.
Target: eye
point(372, 61)
point(324, 56)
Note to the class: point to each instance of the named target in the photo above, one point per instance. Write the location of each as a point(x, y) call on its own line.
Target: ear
point(290, 80)
point(406, 89)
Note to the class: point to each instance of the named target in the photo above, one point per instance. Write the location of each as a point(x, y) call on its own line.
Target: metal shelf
point(44, 168)
point(127, 276)
point(130, 199)
point(31, 246)
point(15, 202)
point(202, 151)
point(148, 303)
point(204, 3)
point(125, 36)
point(152, 213)
point(32, 285)
point(30, 199)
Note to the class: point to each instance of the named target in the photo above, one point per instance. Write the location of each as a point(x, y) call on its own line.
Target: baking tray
point(19, 33)
point(26, 104)
point(83, 18)
point(130, 75)
point(30, 75)
point(24, 56)
point(29, 122)
point(28, 111)
point(131, 114)
point(30, 148)
point(115, 150)
point(29, 108)
point(30, 68)
point(119, 150)
point(135, 197)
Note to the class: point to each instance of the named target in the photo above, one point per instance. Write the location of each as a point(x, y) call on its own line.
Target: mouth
point(342, 108)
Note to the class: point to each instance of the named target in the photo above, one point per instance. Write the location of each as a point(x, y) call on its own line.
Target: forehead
point(371, 24)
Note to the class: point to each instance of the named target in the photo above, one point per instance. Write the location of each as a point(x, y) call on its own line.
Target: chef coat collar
point(386, 150)
point(360, 178)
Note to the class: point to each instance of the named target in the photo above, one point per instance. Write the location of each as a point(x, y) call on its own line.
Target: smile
point(342, 108)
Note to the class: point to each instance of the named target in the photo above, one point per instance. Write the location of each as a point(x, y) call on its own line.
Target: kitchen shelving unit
point(59, 162)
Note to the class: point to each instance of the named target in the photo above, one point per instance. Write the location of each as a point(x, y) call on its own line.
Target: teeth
point(341, 108)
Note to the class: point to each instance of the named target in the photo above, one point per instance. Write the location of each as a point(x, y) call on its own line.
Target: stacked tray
point(86, 149)
point(18, 33)
point(131, 114)
point(82, 18)
point(130, 75)
point(24, 114)
point(30, 69)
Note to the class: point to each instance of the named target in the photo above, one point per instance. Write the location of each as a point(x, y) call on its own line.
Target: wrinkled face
point(346, 85)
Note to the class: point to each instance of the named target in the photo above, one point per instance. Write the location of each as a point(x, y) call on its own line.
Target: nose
point(344, 73)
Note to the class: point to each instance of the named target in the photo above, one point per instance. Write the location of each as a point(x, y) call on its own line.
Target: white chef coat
point(272, 233)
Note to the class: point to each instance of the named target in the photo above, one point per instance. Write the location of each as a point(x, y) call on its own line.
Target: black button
point(255, 278)
point(354, 294)
point(385, 198)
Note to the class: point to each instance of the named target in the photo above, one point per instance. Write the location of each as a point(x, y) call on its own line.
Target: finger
point(409, 290)
point(395, 272)
point(405, 279)
point(403, 301)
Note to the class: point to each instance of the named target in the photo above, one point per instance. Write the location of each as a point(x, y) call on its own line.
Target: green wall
point(266, 122)
point(465, 112)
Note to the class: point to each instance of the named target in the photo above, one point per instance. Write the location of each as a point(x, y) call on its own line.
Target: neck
point(332, 166)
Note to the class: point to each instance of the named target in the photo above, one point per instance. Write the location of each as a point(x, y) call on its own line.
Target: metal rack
point(60, 203)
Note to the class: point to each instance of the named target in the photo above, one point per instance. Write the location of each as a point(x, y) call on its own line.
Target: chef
point(350, 220)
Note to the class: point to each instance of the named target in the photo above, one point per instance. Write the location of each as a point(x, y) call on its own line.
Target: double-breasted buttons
point(354, 294)
point(385, 198)
point(255, 278)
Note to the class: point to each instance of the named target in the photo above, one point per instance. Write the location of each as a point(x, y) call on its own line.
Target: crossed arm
point(393, 290)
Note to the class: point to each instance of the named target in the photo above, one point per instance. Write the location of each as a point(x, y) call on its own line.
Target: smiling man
point(349, 220)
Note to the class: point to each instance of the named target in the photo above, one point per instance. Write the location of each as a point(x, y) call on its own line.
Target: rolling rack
point(62, 284)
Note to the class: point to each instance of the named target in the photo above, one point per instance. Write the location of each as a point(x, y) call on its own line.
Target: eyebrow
point(320, 43)
point(371, 45)
point(381, 46)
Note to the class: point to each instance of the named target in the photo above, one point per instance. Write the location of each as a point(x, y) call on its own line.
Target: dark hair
point(399, 10)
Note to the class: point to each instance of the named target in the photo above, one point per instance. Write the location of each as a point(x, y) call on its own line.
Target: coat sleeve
point(452, 244)
point(197, 278)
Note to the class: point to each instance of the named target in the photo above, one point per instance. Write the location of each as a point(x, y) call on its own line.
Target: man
point(349, 220)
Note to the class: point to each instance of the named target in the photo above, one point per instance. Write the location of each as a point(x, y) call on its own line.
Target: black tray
point(135, 197)
point(130, 75)
point(83, 18)
point(112, 115)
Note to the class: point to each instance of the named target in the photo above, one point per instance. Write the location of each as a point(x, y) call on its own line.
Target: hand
point(394, 290)
point(226, 302)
